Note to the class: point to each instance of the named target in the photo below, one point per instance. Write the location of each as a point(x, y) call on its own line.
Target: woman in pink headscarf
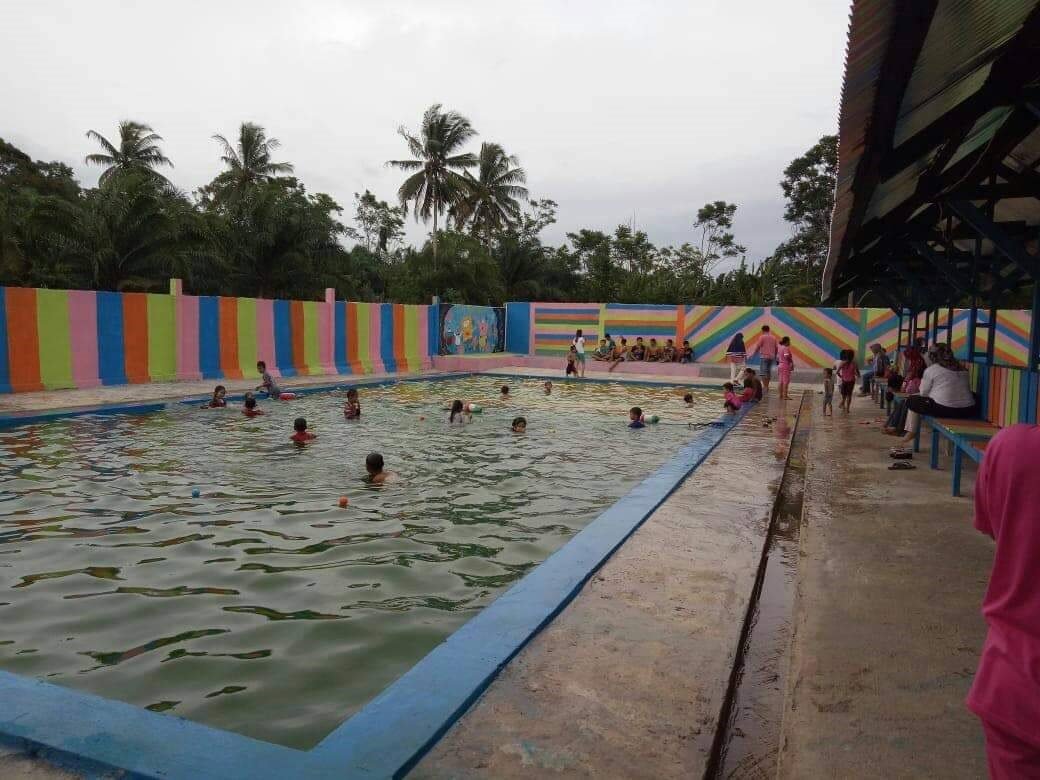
point(1006, 691)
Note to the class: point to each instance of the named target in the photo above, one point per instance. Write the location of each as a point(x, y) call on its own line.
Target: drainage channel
point(747, 745)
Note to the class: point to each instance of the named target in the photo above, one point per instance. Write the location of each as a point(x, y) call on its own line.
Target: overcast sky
point(619, 111)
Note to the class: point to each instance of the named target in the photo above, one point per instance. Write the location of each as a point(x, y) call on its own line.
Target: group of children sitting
point(611, 351)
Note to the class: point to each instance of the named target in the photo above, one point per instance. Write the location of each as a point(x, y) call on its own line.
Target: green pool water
point(262, 606)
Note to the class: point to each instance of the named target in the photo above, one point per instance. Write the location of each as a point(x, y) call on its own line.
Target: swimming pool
point(262, 607)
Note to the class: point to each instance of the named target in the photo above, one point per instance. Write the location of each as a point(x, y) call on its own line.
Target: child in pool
point(519, 425)
point(266, 382)
point(688, 400)
point(749, 391)
point(635, 417)
point(732, 400)
point(458, 414)
point(828, 391)
point(217, 401)
point(572, 361)
point(302, 434)
point(249, 407)
point(505, 391)
point(548, 388)
point(352, 408)
point(374, 466)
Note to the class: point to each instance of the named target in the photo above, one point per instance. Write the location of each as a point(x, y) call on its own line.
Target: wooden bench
point(968, 437)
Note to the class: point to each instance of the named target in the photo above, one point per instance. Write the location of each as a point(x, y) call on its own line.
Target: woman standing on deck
point(736, 355)
point(1006, 691)
point(579, 347)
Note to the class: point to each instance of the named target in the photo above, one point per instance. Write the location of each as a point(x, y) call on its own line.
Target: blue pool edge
point(392, 733)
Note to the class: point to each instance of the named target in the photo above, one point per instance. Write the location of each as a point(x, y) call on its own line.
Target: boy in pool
point(217, 401)
point(249, 407)
point(301, 434)
point(635, 416)
point(352, 408)
point(519, 425)
point(688, 399)
point(548, 388)
point(374, 467)
point(505, 391)
point(266, 382)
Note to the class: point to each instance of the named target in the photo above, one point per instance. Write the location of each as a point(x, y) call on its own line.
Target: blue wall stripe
point(111, 358)
point(825, 343)
point(5, 367)
point(725, 334)
point(433, 329)
point(518, 328)
point(386, 336)
point(209, 337)
point(283, 338)
point(339, 344)
point(840, 317)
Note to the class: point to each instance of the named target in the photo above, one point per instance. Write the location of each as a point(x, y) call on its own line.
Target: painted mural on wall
point(470, 330)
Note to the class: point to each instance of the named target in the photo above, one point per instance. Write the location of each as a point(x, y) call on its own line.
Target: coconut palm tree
point(437, 183)
point(248, 161)
point(138, 150)
point(492, 203)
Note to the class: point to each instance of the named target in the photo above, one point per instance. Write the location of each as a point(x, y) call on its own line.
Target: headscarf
point(914, 362)
point(943, 355)
point(736, 345)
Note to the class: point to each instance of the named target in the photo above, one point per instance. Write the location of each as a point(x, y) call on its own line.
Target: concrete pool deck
point(628, 680)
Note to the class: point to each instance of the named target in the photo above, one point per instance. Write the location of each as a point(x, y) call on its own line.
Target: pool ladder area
point(747, 741)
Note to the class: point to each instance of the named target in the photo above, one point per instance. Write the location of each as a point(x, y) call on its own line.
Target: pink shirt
point(847, 372)
point(1006, 690)
point(767, 344)
point(733, 398)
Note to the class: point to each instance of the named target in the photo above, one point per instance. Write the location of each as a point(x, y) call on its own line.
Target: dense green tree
point(492, 203)
point(138, 152)
point(248, 162)
point(465, 273)
point(379, 226)
point(715, 221)
point(437, 163)
point(808, 186)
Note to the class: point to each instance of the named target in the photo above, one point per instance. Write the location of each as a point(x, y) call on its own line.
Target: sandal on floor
point(901, 465)
point(901, 455)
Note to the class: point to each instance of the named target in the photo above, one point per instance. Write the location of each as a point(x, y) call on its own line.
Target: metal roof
point(935, 103)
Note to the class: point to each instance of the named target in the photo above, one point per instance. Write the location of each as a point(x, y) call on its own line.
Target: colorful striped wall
point(553, 325)
point(52, 339)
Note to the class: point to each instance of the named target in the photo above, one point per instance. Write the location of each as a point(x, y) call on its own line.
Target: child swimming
point(688, 399)
point(505, 391)
point(732, 401)
point(374, 467)
point(635, 416)
point(519, 425)
point(217, 401)
point(302, 434)
point(249, 407)
point(352, 408)
point(266, 382)
point(548, 388)
point(458, 415)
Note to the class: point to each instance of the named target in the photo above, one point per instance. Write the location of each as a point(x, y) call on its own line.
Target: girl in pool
point(732, 400)
point(548, 388)
point(519, 425)
point(458, 414)
point(249, 407)
point(352, 408)
point(635, 418)
point(217, 401)
point(377, 475)
point(301, 434)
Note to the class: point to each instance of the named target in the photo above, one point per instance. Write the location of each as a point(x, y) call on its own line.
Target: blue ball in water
point(195, 493)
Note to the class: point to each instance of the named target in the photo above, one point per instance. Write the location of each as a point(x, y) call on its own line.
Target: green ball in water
point(475, 408)
point(652, 419)
point(195, 493)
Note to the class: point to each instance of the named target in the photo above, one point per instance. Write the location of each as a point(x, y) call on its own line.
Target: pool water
point(262, 606)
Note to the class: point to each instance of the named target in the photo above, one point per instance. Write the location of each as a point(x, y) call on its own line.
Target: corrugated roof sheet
point(963, 40)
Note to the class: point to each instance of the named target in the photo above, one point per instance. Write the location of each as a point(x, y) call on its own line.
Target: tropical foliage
point(255, 230)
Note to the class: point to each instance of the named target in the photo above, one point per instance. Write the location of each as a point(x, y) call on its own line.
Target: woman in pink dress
point(1006, 691)
point(785, 366)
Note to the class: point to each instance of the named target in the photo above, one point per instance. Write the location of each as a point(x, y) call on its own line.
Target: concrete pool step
point(630, 679)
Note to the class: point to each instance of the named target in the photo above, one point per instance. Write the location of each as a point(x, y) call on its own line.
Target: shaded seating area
point(936, 209)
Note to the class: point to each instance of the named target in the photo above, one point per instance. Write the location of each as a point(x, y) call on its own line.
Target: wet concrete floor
point(887, 629)
point(630, 680)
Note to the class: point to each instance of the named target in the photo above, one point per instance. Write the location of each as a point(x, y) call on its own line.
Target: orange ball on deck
point(343, 500)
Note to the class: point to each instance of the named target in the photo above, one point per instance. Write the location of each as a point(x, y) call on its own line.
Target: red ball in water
point(343, 500)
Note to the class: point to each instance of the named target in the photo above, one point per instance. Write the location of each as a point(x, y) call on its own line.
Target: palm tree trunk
point(435, 210)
